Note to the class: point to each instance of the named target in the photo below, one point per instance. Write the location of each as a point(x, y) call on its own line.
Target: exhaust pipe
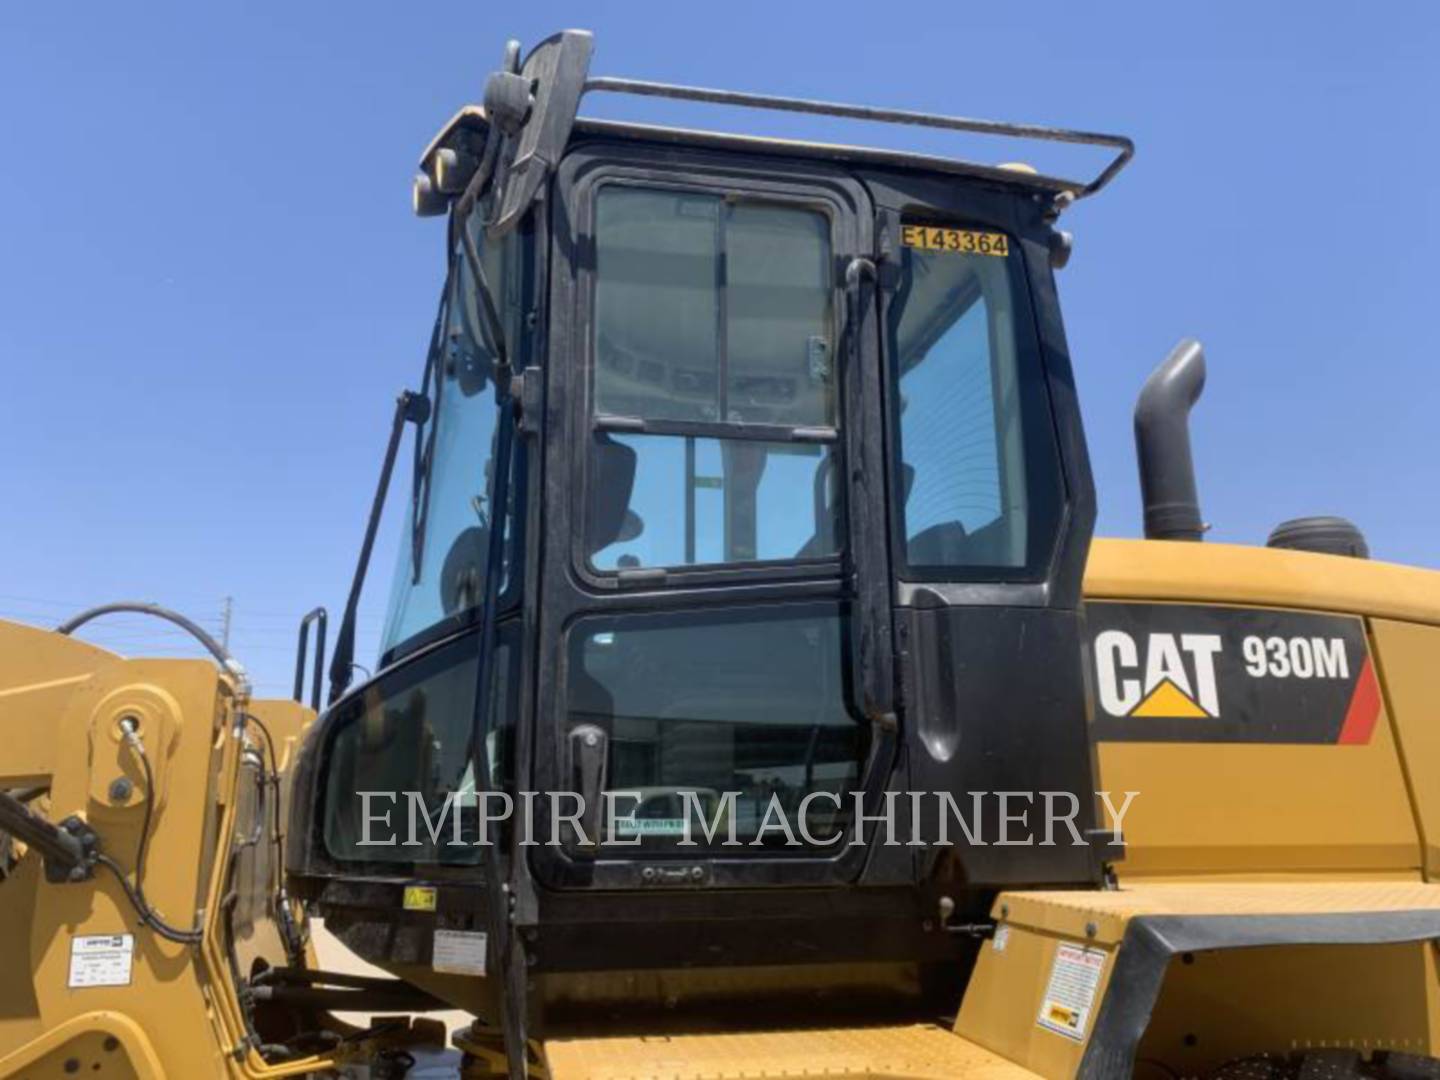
point(1162, 445)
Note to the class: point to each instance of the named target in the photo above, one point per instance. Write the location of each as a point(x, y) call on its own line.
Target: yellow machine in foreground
point(143, 925)
point(749, 479)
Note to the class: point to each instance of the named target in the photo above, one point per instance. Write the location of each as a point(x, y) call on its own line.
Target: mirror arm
point(491, 326)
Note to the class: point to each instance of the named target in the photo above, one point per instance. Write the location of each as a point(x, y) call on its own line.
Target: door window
point(714, 389)
point(737, 708)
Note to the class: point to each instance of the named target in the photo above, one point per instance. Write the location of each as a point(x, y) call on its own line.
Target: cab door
point(698, 630)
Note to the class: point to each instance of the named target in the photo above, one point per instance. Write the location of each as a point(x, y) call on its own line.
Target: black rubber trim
point(1152, 940)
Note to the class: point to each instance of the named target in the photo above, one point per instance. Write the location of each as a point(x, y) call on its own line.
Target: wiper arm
point(414, 408)
point(425, 451)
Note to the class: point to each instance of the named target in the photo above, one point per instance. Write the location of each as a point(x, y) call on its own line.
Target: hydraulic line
point(135, 892)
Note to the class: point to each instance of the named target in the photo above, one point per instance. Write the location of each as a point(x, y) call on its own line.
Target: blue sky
point(211, 286)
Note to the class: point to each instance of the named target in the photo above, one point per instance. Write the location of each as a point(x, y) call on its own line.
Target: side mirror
point(556, 68)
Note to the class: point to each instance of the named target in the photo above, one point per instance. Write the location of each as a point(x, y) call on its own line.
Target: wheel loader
point(753, 700)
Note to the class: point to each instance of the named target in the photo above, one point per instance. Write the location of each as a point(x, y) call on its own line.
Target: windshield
point(450, 520)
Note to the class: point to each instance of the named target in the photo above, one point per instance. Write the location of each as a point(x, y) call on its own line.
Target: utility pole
point(225, 622)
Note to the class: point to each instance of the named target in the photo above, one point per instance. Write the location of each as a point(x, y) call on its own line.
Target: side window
point(740, 709)
point(408, 737)
point(975, 494)
point(714, 411)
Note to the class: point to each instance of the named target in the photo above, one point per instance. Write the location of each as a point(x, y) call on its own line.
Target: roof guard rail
point(1124, 145)
point(531, 108)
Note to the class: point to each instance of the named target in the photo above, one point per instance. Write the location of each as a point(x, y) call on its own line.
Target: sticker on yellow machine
point(1201, 673)
point(100, 960)
point(1070, 993)
point(419, 898)
point(957, 241)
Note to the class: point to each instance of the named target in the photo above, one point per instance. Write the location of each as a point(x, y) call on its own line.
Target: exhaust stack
point(1162, 445)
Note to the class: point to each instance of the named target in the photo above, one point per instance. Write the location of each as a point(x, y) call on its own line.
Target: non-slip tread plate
point(919, 1051)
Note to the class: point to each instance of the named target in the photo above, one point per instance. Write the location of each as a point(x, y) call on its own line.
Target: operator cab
point(747, 473)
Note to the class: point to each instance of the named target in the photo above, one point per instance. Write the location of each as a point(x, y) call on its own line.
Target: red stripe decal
point(1364, 709)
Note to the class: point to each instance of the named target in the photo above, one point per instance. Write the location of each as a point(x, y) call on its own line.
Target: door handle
point(589, 754)
point(874, 671)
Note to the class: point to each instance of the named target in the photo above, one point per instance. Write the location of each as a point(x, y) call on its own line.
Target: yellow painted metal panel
point(1409, 663)
point(1218, 809)
point(1003, 1000)
point(1272, 577)
point(1033, 908)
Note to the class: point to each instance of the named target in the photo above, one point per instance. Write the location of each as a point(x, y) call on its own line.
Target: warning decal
point(100, 960)
point(459, 952)
point(1070, 994)
point(1196, 673)
point(419, 898)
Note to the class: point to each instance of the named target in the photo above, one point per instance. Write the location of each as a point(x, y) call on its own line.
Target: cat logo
point(1173, 678)
point(1217, 674)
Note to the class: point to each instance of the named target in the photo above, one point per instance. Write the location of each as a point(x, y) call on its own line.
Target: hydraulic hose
point(222, 655)
point(135, 892)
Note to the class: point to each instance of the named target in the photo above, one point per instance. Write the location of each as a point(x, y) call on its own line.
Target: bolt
point(1004, 911)
point(1091, 929)
point(591, 739)
point(648, 874)
point(121, 789)
point(697, 873)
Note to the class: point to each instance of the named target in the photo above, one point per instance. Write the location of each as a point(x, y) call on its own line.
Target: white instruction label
point(1001, 938)
point(1070, 994)
point(101, 960)
point(459, 952)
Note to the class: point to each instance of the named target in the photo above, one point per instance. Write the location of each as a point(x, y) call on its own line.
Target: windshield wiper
point(409, 408)
point(431, 384)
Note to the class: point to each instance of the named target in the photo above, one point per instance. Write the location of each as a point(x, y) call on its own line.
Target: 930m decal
point(1194, 673)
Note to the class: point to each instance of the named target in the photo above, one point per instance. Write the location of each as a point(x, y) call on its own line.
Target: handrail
point(1080, 190)
point(320, 617)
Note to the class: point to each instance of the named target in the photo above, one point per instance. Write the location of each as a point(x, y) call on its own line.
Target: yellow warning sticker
point(419, 898)
point(959, 241)
point(1070, 993)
